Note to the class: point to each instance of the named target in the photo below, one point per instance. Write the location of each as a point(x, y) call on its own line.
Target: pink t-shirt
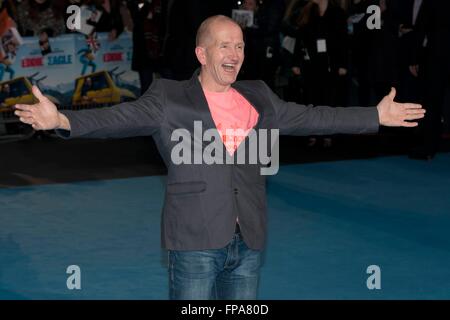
point(231, 111)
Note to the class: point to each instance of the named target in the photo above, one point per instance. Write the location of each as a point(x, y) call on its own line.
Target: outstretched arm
point(43, 115)
point(296, 119)
point(138, 118)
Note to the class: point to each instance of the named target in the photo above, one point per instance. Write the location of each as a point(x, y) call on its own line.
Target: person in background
point(432, 30)
point(8, 60)
point(11, 8)
point(254, 49)
point(126, 16)
point(321, 55)
point(44, 43)
point(269, 18)
point(110, 20)
point(375, 52)
point(294, 87)
point(87, 86)
point(148, 34)
point(37, 15)
point(409, 88)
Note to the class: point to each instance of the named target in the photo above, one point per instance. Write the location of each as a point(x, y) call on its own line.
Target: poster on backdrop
point(10, 40)
point(51, 72)
point(104, 61)
point(57, 64)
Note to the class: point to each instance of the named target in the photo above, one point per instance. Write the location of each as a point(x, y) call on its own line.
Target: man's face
point(249, 5)
point(11, 47)
point(43, 36)
point(223, 54)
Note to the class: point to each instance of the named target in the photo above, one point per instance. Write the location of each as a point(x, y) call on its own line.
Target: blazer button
point(235, 191)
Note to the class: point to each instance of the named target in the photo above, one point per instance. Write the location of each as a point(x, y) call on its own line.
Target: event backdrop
point(56, 68)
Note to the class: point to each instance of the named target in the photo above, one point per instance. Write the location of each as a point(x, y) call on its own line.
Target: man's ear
point(200, 52)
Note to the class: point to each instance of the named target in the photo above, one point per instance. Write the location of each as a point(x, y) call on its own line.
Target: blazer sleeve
point(297, 119)
point(142, 117)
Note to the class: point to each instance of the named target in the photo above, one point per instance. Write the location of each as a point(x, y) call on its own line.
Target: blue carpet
point(327, 223)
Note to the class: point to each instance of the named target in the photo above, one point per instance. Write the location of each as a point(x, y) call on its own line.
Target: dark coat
point(333, 28)
point(203, 201)
point(147, 39)
point(375, 51)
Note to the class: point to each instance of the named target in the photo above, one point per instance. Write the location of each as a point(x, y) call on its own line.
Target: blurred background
point(379, 199)
point(366, 47)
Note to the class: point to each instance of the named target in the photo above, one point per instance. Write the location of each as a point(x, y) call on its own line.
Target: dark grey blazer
point(203, 201)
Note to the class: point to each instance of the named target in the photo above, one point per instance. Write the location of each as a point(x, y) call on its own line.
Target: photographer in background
point(148, 34)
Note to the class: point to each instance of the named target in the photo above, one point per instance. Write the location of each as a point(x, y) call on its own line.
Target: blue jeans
point(229, 273)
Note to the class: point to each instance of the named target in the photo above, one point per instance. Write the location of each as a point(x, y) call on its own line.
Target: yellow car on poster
point(99, 88)
point(18, 91)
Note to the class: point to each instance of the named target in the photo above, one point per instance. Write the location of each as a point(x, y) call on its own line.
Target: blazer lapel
point(198, 100)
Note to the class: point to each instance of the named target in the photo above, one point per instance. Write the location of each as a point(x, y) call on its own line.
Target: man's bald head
point(204, 32)
point(220, 51)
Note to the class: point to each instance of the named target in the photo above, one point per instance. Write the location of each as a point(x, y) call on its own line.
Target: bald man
point(214, 214)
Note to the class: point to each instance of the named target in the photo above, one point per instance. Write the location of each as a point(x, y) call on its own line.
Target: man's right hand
point(43, 115)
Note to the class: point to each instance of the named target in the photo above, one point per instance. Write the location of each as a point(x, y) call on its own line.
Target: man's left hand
point(393, 114)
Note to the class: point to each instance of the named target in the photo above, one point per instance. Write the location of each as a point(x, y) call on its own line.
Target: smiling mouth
point(229, 67)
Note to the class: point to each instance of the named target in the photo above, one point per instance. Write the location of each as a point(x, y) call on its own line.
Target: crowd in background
point(320, 52)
